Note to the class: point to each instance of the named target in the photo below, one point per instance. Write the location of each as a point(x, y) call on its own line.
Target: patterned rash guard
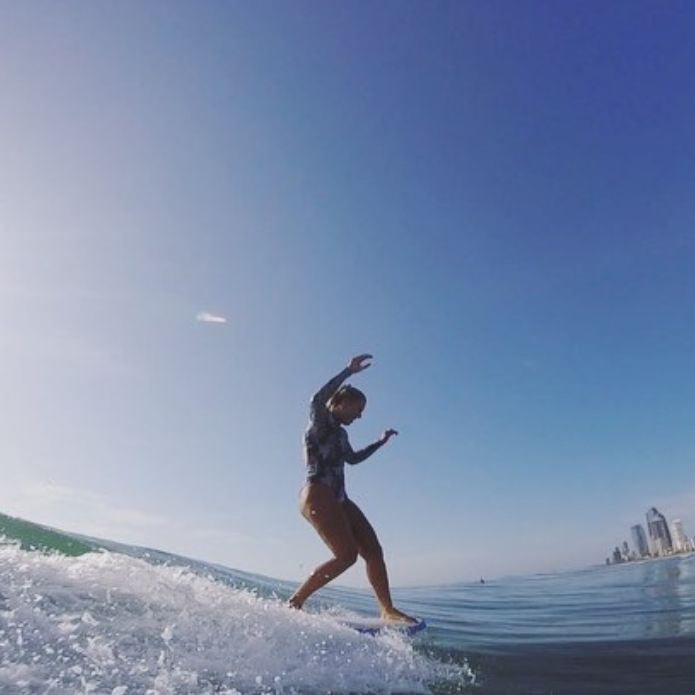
point(326, 445)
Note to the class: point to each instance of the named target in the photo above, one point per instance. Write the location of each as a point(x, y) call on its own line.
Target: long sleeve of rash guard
point(318, 410)
point(354, 457)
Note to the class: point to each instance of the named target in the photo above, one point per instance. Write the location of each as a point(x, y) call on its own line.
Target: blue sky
point(492, 198)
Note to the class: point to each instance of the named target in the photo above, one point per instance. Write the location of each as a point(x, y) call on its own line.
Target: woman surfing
point(323, 501)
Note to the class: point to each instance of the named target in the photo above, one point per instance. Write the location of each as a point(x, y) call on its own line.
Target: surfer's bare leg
point(322, 510)
point(369, 548)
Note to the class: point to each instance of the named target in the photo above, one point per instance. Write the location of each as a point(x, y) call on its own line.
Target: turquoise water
point(86, 615)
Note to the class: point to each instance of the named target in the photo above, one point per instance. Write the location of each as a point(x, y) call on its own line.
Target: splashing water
point(105, 622)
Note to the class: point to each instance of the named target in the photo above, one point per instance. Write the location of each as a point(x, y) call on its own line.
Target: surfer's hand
point(387, 435)
point(356, 364)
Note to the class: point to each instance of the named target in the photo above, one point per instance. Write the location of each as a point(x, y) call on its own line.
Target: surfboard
point(376, 626)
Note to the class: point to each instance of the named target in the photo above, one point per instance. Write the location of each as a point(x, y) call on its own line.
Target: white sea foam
point(109, 623)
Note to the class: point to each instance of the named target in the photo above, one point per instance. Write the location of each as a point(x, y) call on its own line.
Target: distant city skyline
point(660, 543)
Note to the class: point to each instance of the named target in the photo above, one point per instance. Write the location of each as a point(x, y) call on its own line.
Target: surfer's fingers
point(356, 363)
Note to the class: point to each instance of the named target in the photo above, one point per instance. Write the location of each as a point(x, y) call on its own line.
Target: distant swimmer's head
point(347, 404)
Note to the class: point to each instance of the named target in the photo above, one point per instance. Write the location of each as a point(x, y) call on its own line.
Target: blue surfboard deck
point(376, 626)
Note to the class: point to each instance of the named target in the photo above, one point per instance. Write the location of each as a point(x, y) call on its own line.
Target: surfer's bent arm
point(353, 457)
point(318, 408)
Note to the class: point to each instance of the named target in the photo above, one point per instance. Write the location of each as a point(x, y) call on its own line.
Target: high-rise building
point(659, 535)
point(617, 556)
point(680, 540)
point(639, 540)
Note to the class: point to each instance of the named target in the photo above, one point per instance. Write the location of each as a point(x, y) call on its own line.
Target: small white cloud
point(207, 317)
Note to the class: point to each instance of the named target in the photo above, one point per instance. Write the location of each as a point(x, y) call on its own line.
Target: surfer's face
point(348, 411)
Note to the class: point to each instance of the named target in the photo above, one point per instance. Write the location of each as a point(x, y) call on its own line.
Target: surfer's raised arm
point(321, 397)
point(354, 457)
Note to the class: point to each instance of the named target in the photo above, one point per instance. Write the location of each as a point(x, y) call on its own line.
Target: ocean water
point(79, 615)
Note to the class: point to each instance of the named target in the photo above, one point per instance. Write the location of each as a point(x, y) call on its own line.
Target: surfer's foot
point(293, 603)
point(396, 616)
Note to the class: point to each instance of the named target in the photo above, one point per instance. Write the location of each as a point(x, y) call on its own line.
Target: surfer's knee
point(347, 557)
